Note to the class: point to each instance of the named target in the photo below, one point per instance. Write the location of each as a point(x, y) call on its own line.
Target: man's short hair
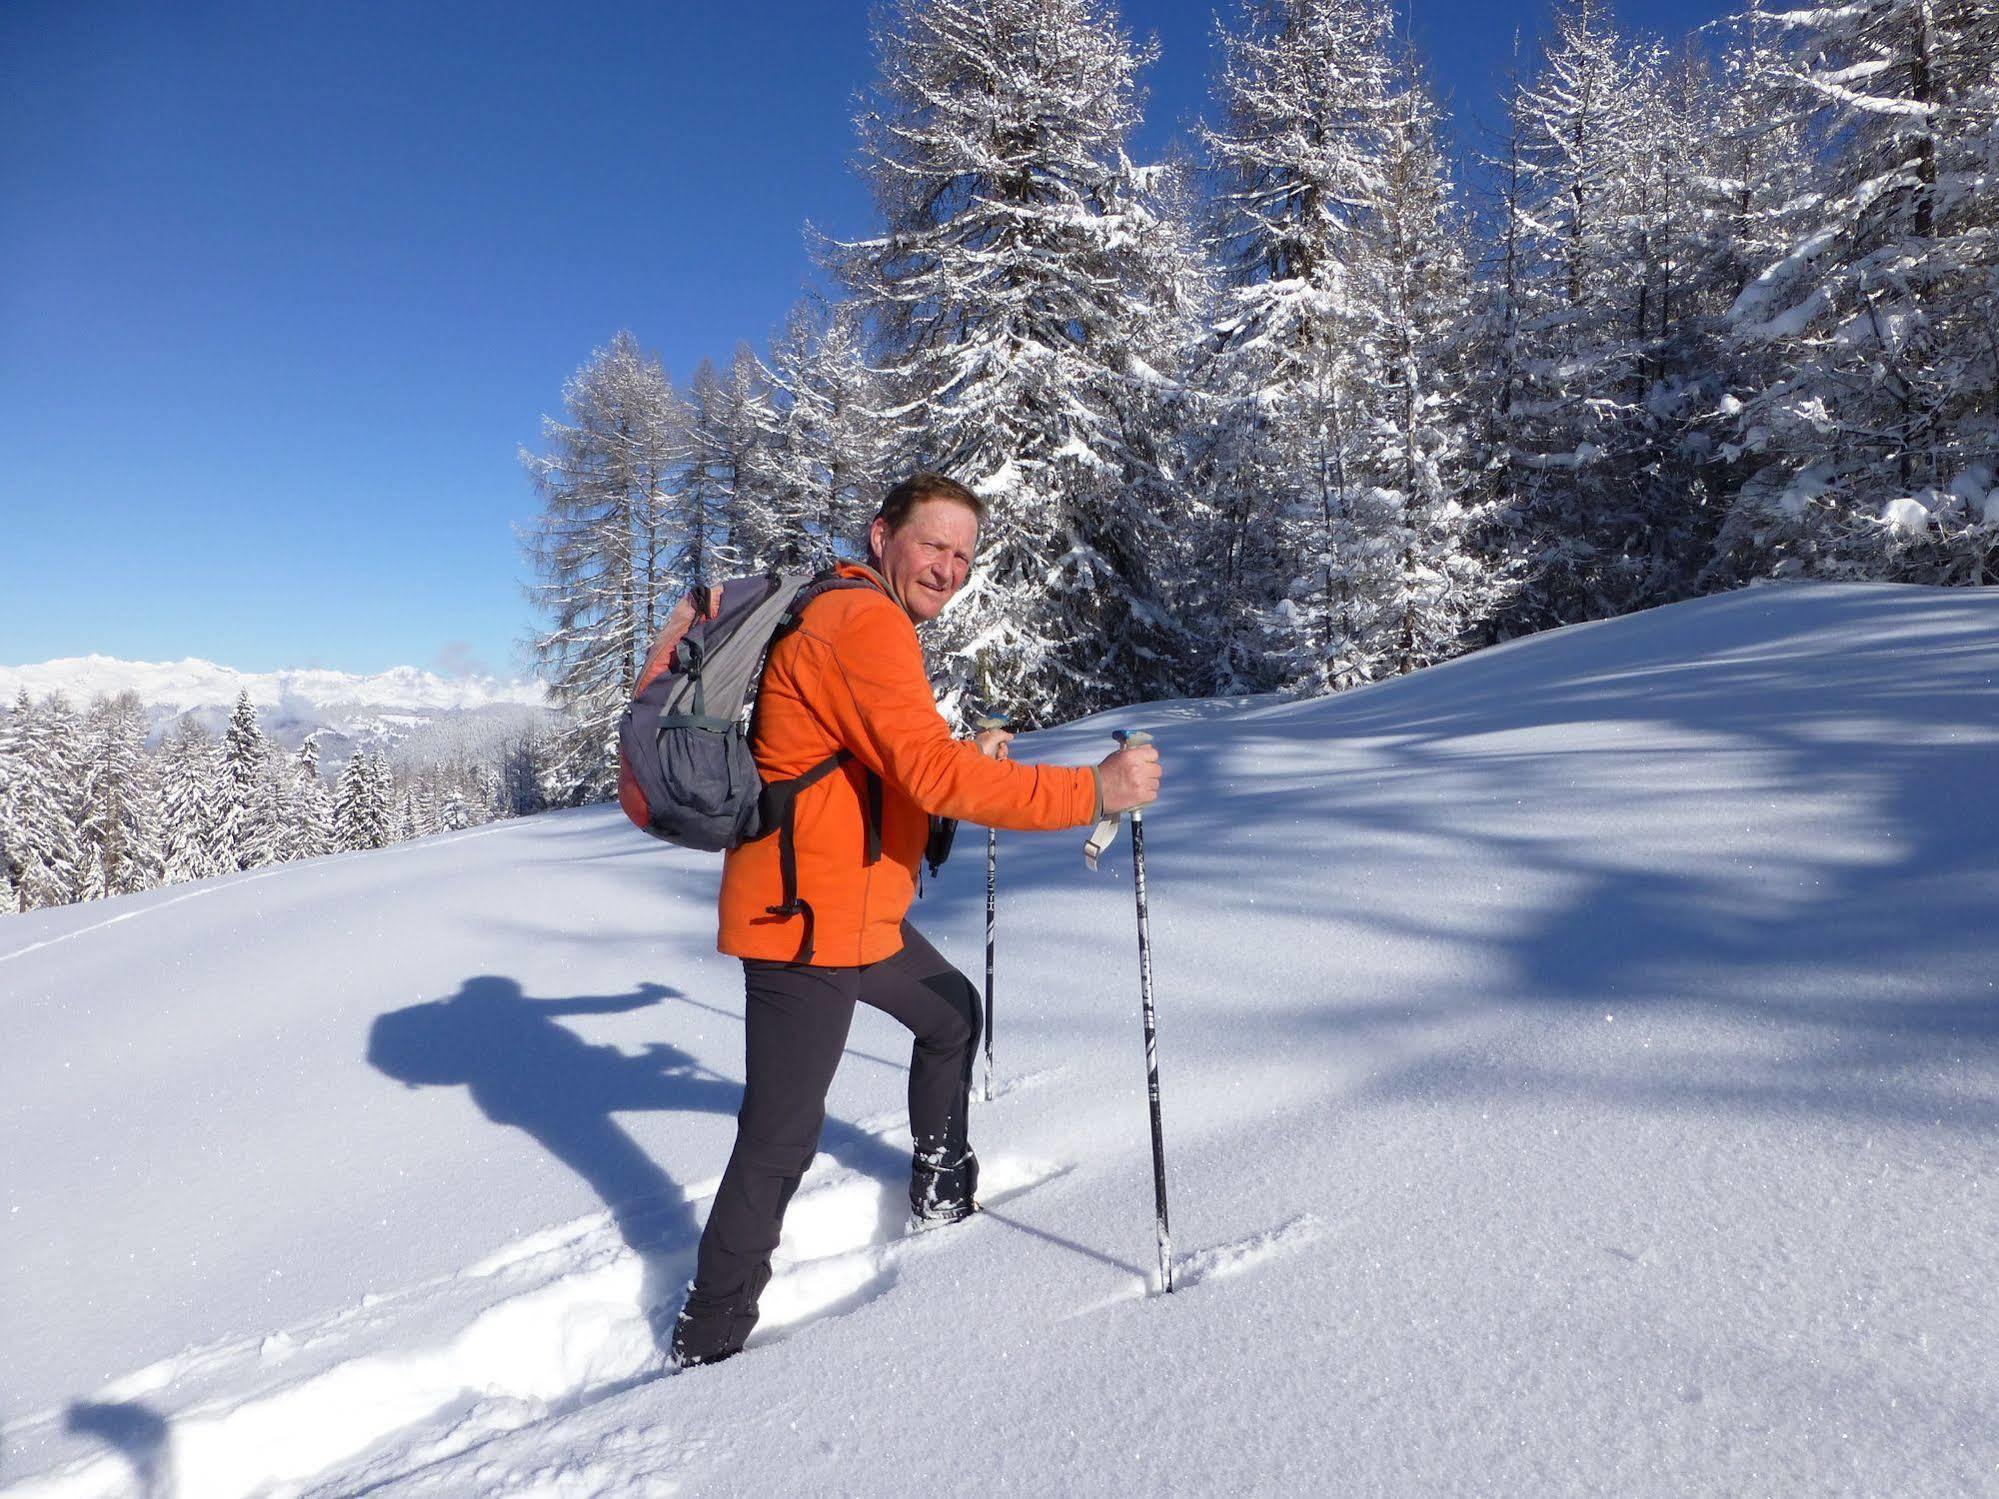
point(925, 485)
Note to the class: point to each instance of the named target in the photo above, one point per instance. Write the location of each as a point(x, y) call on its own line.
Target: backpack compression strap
point(778, 802)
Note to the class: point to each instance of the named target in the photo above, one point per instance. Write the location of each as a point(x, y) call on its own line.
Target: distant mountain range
point(417, 714)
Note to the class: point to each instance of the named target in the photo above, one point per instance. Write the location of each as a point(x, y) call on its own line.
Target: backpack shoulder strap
point(779, 801)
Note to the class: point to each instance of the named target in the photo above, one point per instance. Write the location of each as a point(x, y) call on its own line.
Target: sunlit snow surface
point(1581, 1075)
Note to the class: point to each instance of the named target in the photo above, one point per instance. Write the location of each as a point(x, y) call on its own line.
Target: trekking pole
point(1099, 841)
point(990, 721)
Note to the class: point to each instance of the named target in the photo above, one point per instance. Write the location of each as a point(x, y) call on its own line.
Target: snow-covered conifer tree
point(1414, 290)
point(599, 549)
point(52, 810)
point(737, 440)
point(827, 466)
point(1874, 428)
point(123, 827)
point(310, 821)
point(364, 806)
point(191, 808)
point(523, 790)
point(1305, 99)
point(704, 498)
point(1576, 352)
point(20, 794)
point(250, 835)
point(1336, 468)
point(1017, 292)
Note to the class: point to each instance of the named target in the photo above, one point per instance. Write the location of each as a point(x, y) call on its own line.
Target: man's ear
point(877, 538)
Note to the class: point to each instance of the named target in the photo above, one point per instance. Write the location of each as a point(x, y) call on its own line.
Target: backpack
point(686, 772)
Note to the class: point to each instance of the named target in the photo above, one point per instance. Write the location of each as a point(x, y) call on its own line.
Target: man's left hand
point(992, 743)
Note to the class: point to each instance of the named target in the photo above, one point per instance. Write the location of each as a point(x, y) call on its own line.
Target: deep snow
point(1581, 1071)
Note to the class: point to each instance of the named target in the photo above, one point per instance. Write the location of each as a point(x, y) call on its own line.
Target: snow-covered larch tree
point(1336, 469)
point(827, 469)
point(735, 439)
point(1304, 95)
point(1875, 428)
point(1437, 586)
point(1574, 352)
point(597, 550)
point(1018, 290)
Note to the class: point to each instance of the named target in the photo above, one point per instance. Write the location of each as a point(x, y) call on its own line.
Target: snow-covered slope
point(373, 711)
point(1581, 1071)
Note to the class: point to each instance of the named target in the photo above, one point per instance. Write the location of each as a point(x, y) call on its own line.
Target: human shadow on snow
point(134, 1430)
point(528, 1071)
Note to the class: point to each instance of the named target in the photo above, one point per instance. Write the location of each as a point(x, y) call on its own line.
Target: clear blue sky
point(283, 286)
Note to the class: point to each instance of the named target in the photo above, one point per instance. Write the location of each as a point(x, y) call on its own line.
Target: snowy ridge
point(188, 684)
point(1580, 1071)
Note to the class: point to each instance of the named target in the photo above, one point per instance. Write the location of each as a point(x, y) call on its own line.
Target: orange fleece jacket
point(851, 675)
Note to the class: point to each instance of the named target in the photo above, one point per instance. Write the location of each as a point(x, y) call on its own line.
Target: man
point(850, 676)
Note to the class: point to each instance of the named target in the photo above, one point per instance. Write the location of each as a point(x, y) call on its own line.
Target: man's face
point(926, 558)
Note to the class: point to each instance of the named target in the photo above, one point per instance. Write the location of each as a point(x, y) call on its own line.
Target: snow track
point(561, 1328)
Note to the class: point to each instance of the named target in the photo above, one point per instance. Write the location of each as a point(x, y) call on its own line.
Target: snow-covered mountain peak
point(192, 683)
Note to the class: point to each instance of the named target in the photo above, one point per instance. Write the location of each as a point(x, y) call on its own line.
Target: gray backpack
point(686, 772)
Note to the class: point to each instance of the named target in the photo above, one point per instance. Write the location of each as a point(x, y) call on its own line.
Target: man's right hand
point(1128, 778)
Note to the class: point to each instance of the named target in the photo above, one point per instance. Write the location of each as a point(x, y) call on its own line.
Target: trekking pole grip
point(1132, 739)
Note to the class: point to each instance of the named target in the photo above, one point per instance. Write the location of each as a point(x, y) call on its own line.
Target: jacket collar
point(862, 570)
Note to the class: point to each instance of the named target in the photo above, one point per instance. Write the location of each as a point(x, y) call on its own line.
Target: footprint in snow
point(557, 1324)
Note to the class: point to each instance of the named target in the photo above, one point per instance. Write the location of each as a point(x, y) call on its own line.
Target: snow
point(1906, 515)
point(1580, 1069)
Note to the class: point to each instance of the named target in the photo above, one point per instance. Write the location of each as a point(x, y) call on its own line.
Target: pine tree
point(603, 549)
point(364, 803)
point(1336, 470)
point(522, 770)
point(707, 485)
point(191, 809)
point(311, 819)
point(251, 833)
point(14, 759)
point(51, 809)
point(1017, 293)
point(123, 827)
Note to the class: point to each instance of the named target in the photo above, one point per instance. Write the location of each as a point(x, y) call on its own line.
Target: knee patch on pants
point(957, 991)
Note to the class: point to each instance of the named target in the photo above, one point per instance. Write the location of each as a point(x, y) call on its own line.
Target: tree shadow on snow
point(528, 1071)
point(1871, 943)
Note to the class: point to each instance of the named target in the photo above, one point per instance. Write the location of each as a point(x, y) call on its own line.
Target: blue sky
point(284, 286)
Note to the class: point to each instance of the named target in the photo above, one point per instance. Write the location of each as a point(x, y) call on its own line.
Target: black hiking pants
point(795, 1021)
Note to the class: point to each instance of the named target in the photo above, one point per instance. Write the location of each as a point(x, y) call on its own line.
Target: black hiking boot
point(699, 1340)
point(941, 1186)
